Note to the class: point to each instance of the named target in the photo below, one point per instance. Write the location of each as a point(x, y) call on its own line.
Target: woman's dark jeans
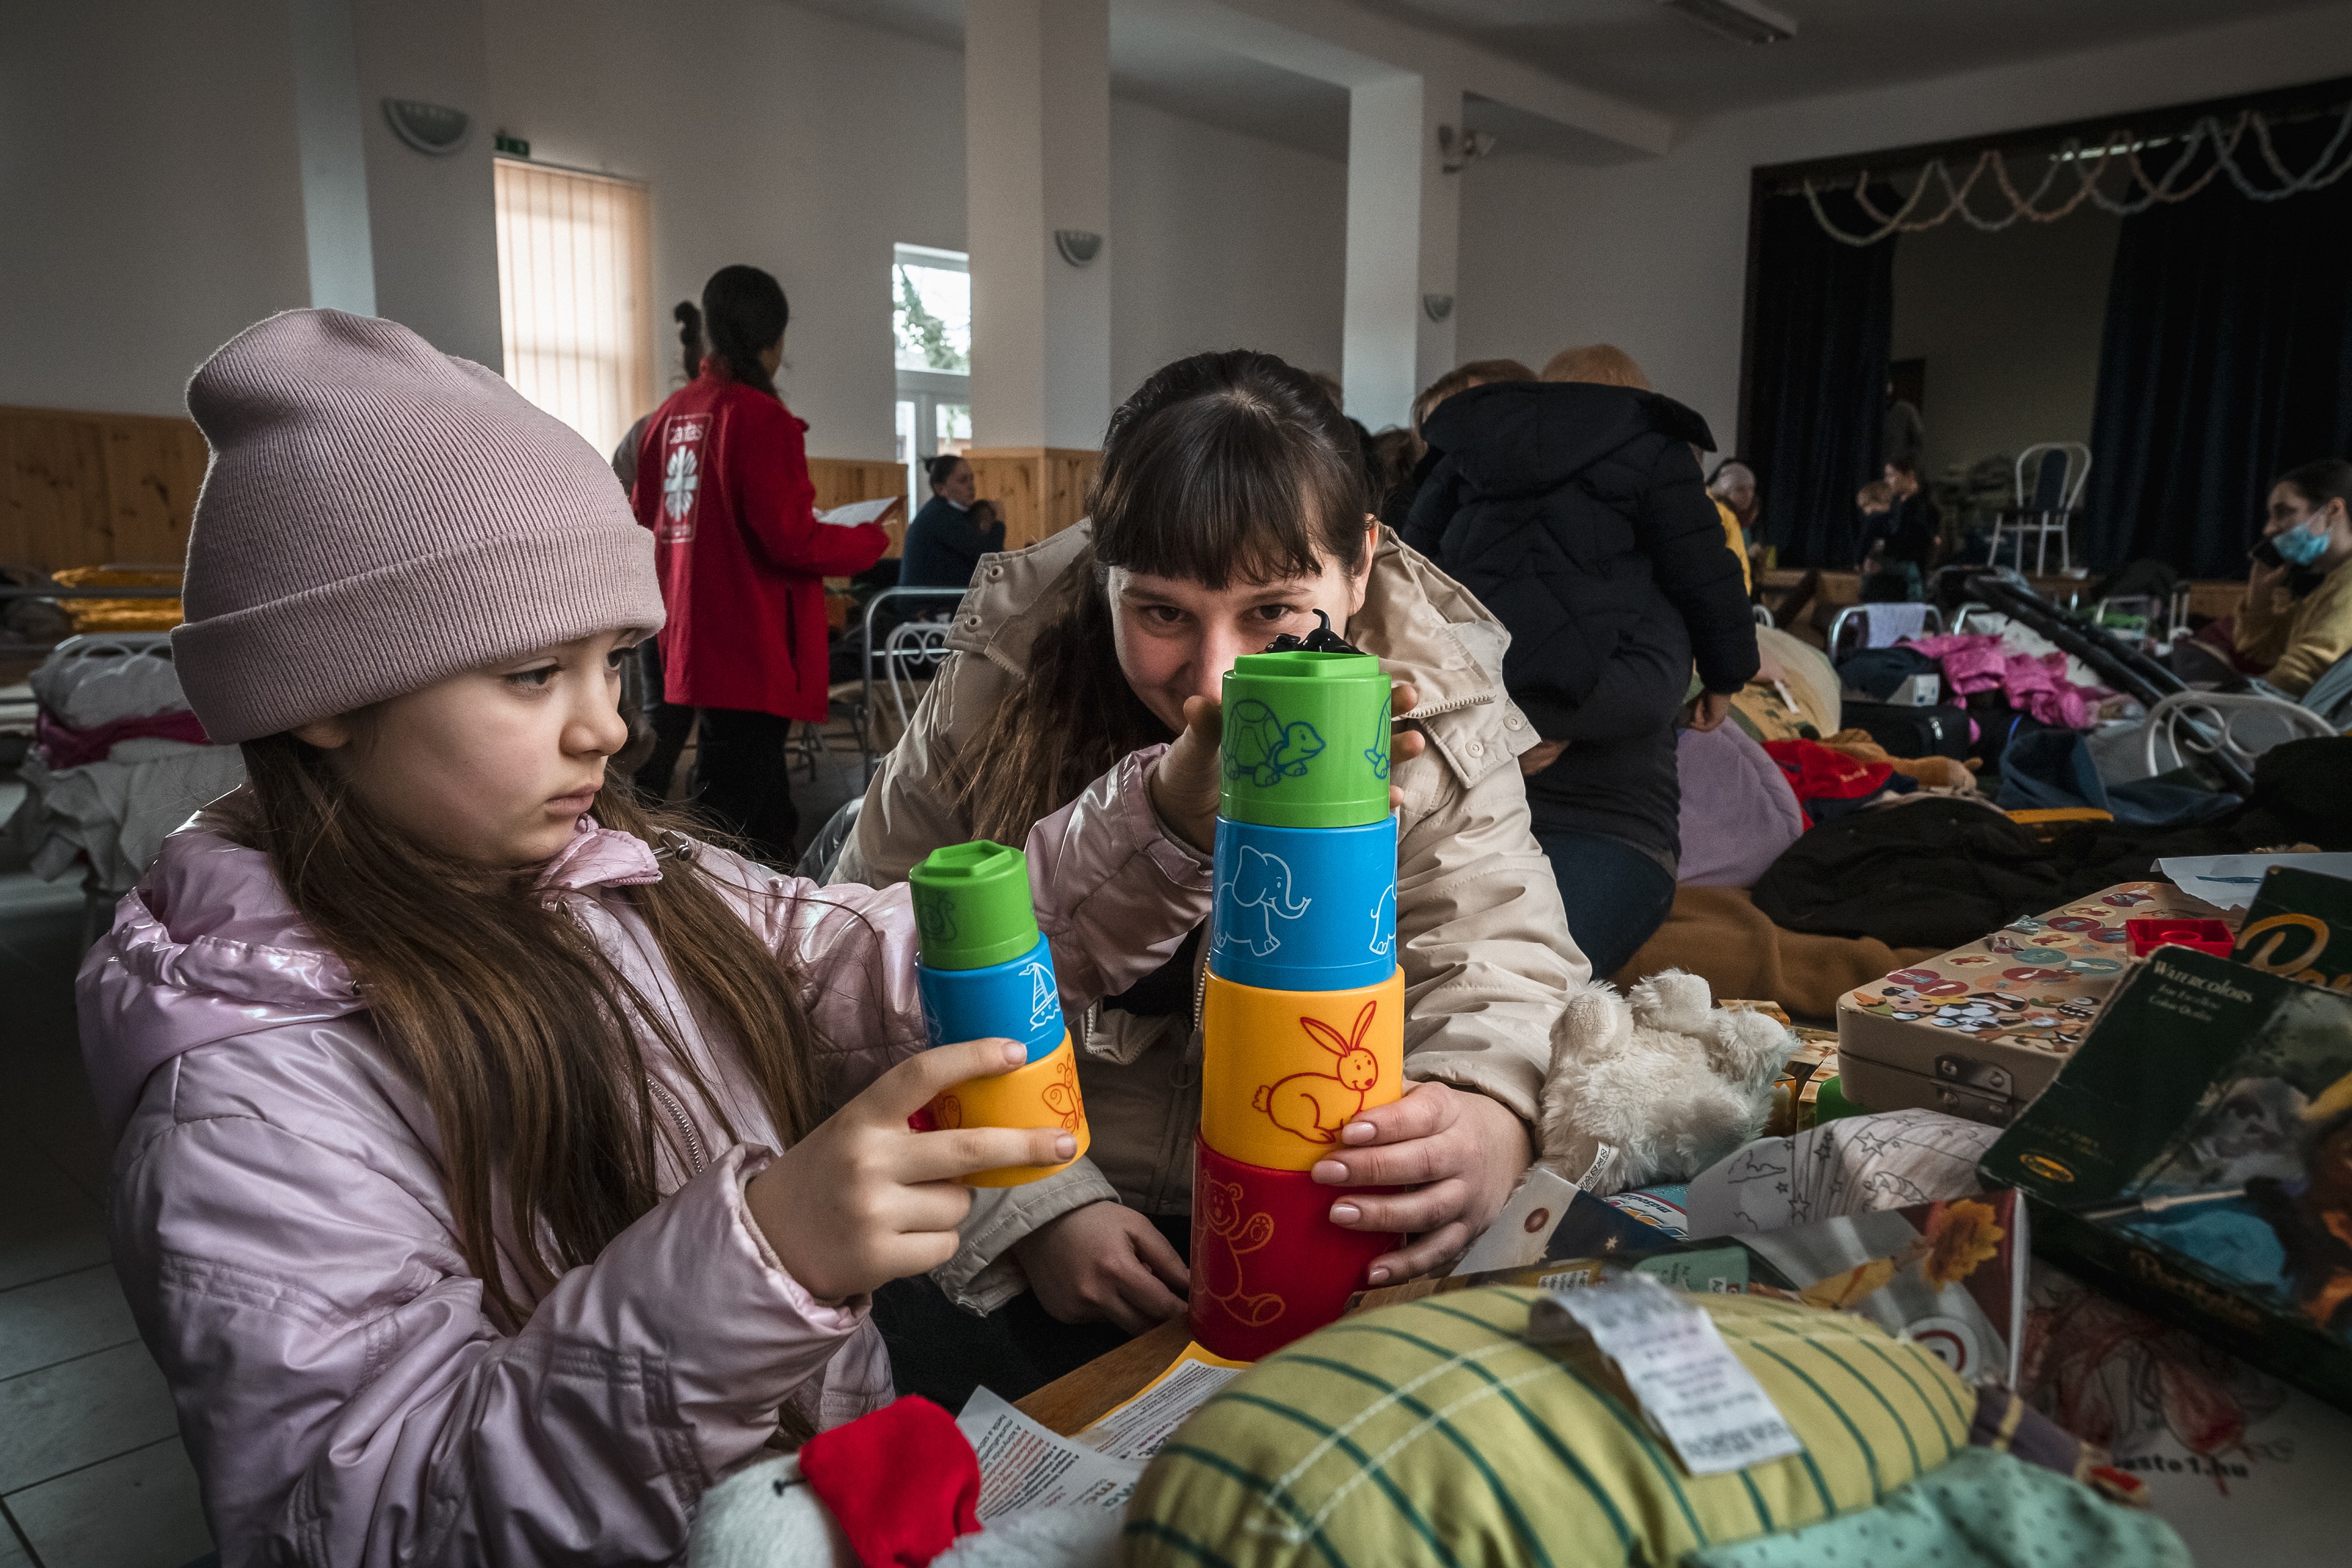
point(1617, 896)
point(745, 782)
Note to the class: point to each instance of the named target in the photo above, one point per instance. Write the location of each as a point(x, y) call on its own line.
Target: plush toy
point(1655, 1087)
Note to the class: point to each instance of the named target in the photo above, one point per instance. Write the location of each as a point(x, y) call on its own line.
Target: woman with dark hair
point(2296, 616)
point(1231, 509)
point(723, 482)
point(1574, 510)
point(947, 538)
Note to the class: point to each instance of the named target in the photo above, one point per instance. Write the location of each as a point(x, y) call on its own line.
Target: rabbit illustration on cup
point(1315, 1105)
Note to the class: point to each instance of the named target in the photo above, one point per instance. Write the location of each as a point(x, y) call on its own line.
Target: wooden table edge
point(1077, 1399)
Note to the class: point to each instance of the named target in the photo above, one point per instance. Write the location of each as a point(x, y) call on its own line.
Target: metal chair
point(937, 597)
point(1931, 622)
point(1761, 616)
point(2235, 726)
point(2059, 469)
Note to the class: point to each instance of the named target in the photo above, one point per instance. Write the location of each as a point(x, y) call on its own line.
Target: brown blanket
point(1716, 934)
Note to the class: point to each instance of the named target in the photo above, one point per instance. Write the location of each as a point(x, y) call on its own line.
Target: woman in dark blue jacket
point(1577, 513)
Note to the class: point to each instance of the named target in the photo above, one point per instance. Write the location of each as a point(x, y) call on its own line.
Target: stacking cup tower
point(1303, 1020)
point(984, 970)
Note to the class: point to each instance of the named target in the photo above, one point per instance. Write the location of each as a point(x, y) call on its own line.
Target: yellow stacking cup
point(1044, 1093)
point(1282, 1072)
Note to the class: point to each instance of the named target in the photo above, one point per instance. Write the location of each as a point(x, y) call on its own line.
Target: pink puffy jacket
point(280, 1225)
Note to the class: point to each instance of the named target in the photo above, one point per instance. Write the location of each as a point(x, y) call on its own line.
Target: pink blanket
point(2036, 687)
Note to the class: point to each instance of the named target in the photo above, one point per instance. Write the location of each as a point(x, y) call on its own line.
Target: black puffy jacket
point(1577, 513)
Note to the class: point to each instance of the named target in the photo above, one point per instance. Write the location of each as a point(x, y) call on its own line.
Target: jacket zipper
point(685, 1124)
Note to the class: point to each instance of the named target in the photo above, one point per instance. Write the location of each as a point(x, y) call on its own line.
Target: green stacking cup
point(972, 906)
point(1307, 740)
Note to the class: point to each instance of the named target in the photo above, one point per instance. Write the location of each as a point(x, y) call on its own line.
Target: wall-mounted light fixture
point(1078, 246)
point(430, 128)
point(1456, 147)
point(1438, 305)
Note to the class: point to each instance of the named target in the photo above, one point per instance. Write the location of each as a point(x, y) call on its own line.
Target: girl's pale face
point(1177, 637)
point(494, 766)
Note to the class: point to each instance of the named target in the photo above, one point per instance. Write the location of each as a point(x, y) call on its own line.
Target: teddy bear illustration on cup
point(1315, 1105)
point(1227, 1236)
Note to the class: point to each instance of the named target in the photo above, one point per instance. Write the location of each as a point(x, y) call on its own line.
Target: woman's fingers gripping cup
point(866, 1198)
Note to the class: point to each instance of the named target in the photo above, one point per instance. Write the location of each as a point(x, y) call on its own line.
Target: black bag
point(1911, 732)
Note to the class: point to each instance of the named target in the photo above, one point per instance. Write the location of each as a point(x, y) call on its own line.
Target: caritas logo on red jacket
point(681, 479)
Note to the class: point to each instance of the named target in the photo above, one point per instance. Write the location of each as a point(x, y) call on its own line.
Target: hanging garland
point(2090, 167)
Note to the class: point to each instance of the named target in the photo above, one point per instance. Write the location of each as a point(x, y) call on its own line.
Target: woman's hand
point(1104, 1263)
point(1541, 756)
point(2261, 581)
point(1184, 782)
point(865, 1199)
point(1466, 1151)
point(1709, 712)
point(1404, 745)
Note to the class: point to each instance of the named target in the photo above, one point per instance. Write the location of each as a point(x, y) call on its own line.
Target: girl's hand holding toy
point(865, 1199)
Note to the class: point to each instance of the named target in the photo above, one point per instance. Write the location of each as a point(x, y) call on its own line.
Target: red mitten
point(902, 1482)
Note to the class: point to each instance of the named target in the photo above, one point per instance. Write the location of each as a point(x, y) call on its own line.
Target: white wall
point(432, 218)
point(1225, 241)
point(785, 139)
point(2008, 325)
point(1653, 256)
point(153, 195)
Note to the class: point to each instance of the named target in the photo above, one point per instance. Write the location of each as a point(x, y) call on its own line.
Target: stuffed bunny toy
point(1655, 1087)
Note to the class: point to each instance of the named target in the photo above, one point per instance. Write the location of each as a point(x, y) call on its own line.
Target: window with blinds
point(575, 296)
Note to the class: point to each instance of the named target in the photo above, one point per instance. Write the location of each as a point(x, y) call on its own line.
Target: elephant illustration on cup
point(1259, 893)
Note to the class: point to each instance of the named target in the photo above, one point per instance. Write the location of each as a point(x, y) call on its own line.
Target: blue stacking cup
point(1305, 909)
point(1013, 1000)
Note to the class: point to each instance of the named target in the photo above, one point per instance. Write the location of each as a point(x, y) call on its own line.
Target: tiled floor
point(92, 1474)
point(91, 1471)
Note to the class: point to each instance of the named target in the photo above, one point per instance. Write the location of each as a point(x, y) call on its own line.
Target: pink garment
point(2035, 686)
point(281, 1229)
point(61, 746)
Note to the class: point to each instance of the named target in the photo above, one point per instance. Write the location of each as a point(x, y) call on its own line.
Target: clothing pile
point(2046, 685)
point(1830, 784)
point(117, 761)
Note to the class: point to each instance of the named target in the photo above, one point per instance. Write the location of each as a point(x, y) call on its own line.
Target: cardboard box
point(2195, 1159)
point(1982, 1030)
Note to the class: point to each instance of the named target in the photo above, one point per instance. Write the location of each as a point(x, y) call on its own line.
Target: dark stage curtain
point(2227, 357)
point(1817, 373)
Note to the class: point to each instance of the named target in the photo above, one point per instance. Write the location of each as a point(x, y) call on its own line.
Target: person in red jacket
point(722, 480)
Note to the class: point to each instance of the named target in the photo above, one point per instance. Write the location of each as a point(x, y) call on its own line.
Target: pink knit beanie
point(378, 515)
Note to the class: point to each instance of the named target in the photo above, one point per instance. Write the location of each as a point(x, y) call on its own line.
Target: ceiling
point(1636, 50)
point(1658, 59)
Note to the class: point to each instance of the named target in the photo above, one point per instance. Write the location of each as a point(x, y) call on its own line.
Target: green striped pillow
point(1433, 1432)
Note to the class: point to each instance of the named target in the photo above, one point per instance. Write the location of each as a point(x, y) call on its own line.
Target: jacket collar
point(598, 858)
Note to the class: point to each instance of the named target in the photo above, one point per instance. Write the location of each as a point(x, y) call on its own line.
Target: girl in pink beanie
point(500, 1165)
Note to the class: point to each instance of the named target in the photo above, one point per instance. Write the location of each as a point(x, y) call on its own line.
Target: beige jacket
point(2298, 638)
point(1488, 958)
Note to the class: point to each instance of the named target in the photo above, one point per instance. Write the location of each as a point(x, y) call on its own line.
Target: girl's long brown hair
point(1222, 467)
point(510, 1019)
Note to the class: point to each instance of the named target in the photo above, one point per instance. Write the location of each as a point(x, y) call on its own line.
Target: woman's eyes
point(1278, 612)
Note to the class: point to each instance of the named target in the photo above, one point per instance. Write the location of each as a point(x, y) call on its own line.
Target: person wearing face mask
point(2296, 616)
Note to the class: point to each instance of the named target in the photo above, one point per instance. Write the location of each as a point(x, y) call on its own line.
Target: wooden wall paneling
point(154, 469)
point(1041, 489)
point(53, 492)
point(840, 480)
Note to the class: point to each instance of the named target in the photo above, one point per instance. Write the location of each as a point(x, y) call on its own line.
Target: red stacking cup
point(1268, 1266)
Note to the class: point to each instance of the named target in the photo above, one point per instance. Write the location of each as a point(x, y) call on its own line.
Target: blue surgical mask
point(2299, 545)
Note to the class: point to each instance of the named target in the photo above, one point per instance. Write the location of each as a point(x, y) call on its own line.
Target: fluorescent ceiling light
point(1743, 21)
